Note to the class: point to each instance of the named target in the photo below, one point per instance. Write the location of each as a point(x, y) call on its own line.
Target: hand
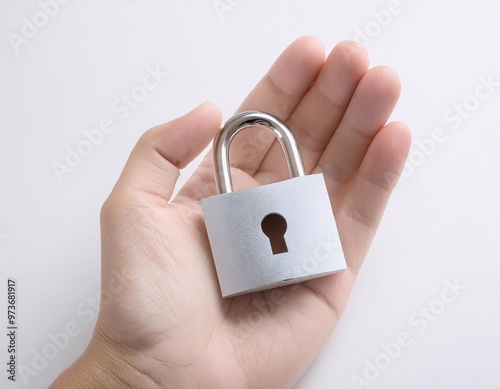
point(166, 325)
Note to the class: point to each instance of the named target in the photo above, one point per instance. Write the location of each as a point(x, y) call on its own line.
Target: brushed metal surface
point(242, 252)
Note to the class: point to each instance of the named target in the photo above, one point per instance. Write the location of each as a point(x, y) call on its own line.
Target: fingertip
point(400, 136)
point(353, 44)
point(312, 43)
point(378, 91)
point(403, 139)
point(353, 53)
point(209, 111)
point(195, 130)
point(403, 130)
point(391, 146)
point(301, 60)
point(386, 78)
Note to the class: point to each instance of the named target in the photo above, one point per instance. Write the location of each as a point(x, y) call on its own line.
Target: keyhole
point(274, 226)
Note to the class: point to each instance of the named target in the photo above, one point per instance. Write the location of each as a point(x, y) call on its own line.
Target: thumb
point(153, 166)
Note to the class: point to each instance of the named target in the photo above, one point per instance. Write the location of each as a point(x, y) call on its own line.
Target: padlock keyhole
point(274, 226)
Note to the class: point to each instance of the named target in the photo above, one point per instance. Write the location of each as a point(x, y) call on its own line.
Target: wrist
point(102, 367)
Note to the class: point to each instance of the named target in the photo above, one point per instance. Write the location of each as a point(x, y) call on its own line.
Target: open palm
point(169, 322)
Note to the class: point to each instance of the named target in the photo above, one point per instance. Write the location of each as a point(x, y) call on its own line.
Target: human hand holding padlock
point(169, 326)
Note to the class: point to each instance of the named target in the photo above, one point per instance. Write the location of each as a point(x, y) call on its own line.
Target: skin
point(163, 324)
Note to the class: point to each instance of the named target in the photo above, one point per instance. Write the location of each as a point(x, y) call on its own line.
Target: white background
point(440, 227)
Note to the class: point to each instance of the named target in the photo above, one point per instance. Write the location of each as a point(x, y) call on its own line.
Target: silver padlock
point(272, 235)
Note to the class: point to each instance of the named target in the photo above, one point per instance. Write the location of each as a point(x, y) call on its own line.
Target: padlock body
point(242, 252)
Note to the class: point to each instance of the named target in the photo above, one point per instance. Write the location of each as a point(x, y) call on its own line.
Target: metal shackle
point(247, 119)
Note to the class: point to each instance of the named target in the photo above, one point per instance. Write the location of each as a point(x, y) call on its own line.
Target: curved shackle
point(247, 119)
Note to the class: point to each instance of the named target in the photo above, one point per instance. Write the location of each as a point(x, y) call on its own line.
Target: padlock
point(275, 234)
